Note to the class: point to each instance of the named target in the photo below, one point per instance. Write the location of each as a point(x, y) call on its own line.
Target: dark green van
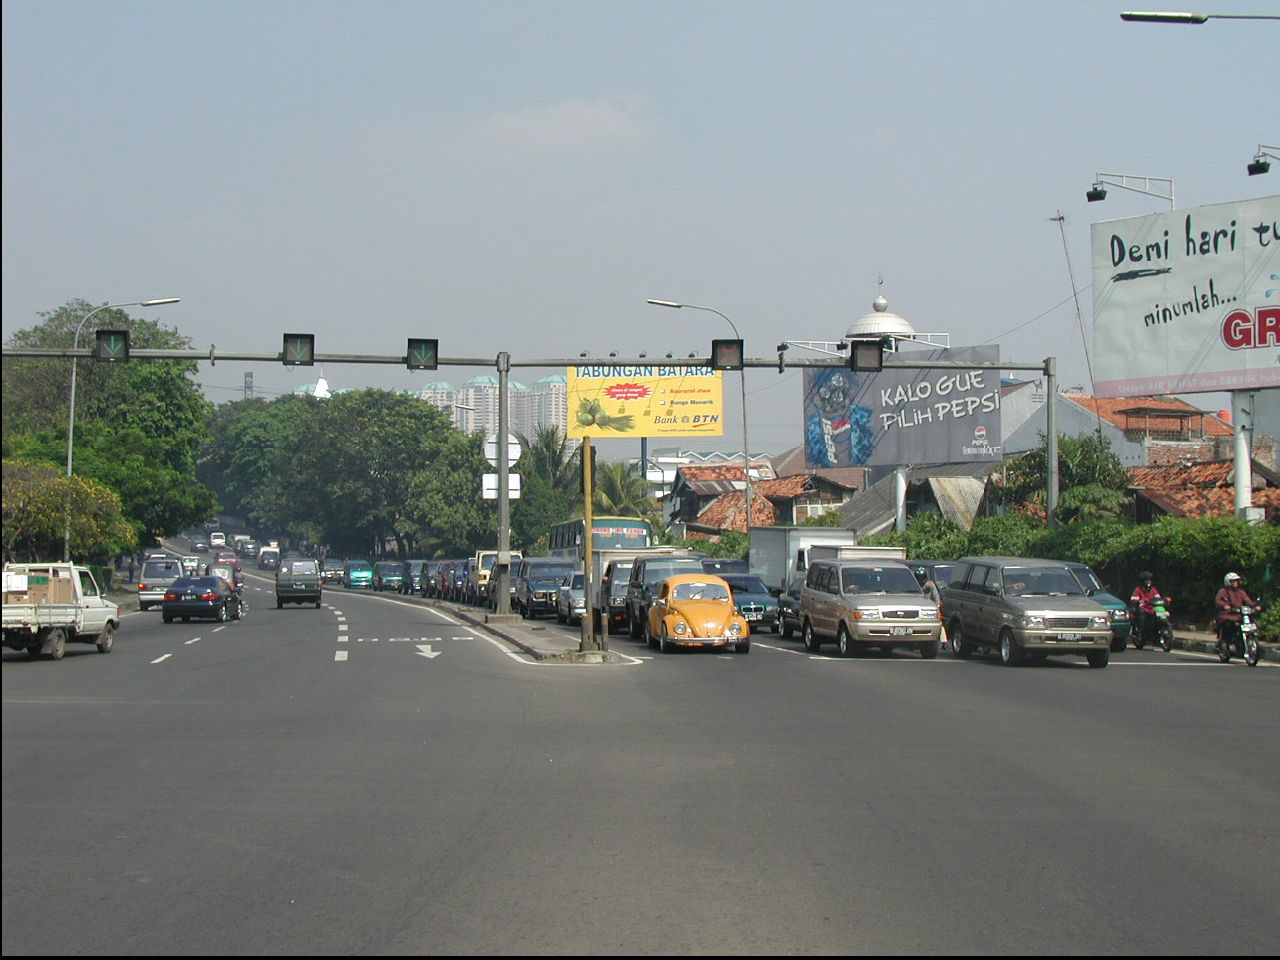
point(297, 581)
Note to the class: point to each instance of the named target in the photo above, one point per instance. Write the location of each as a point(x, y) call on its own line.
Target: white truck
point(610, 610)
point(781, 554)
point(48, 605)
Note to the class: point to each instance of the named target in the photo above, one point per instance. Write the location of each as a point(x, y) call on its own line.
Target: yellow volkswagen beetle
point(695, 610)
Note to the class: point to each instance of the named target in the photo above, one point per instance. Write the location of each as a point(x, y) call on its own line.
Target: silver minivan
point(867, 603)
point(158, 574)
point(1020, 607)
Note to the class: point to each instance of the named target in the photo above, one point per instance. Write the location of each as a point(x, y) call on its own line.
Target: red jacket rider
point(1230, 598)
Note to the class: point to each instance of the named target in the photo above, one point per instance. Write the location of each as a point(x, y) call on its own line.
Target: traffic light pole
point(501, 578)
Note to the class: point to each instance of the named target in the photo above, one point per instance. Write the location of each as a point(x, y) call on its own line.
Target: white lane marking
point(216, 629)
point(339, 656)
point(342, 639)
point(162, 659)
point(191, 641)
point(769, 646)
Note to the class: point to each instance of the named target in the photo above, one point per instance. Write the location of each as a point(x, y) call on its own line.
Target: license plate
point(899, 631)
point(754, 616)
point(188, 596)
point(1068, 637)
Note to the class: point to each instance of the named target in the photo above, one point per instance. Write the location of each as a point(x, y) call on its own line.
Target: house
point(783, 501)
point(1200, 489)
point(695, 487)
point(956, 490)
point(1141, 430)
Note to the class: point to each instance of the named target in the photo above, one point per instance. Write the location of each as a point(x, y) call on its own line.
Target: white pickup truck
point(48, 605)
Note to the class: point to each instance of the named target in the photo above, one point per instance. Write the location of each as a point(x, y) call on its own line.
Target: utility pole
point(502, 568)
point(588, 641)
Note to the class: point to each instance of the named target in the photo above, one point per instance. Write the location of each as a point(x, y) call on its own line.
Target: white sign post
point(489, 486)
point(491, 449)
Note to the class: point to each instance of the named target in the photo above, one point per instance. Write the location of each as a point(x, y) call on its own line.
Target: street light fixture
point(1156, 16)
point(1121, 180)
point(71, 415)
point(1260, 163)
point(746, 454)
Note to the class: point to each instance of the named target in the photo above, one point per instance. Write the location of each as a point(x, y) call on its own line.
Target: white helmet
point(1226, 581)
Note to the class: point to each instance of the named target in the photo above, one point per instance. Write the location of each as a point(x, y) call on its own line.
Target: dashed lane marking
point(162, 659)
point(191, 641)
point(339, 656)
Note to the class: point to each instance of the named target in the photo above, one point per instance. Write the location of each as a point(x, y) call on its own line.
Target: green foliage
point(36, 499)
point(1009, 535)
point(139, 425)
point(832, 518)
point(1091, 476)
point(731, 545)
point(620, 490)
point(929, 536)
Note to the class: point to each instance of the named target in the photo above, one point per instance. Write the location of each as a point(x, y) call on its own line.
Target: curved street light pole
point(746, 447)
point(71, 415)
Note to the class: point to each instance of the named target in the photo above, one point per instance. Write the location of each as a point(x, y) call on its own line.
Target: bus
point(607, 533)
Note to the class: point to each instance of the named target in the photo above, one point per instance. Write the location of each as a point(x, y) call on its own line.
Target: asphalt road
point(255, 791)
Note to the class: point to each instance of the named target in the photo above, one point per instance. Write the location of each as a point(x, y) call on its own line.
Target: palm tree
point(546, 455)
point(620, 490)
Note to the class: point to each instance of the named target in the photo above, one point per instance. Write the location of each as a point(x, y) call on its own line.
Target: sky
point(522, 176)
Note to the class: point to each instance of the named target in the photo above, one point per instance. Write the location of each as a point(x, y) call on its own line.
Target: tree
point(1082, 462)
point(38, 500)
point(619, 489)
point(546, 455)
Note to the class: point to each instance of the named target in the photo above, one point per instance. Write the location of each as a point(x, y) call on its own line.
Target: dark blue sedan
point(205, 598)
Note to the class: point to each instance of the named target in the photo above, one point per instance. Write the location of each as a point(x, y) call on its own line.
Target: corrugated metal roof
point(958, 498)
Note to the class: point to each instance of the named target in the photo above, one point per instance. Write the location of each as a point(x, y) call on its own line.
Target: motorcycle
point(1157, 623)
point(1240, 639)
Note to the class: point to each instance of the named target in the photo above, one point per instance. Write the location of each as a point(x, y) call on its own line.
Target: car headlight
point(1119, 615)
point(1033, 623)
point(867, 613)
point(735, 629)
point(1101, 622)
point(682, 628)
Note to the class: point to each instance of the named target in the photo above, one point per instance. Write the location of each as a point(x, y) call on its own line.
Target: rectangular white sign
point(1188, 301)
point(489, 486)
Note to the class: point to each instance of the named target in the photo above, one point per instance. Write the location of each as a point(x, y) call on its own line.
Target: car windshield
point(161, 569)
point(360, 567)
point(1040, 582)
point(298, 566)
point(226, 573)
point(655, 573)
point(699, 591)
point(942, 573)
point(390, 569)
point(746, 585)
point(333, 564)
point(549, 572)
point(195, 583)
point(878, 580)
point(1087, 579)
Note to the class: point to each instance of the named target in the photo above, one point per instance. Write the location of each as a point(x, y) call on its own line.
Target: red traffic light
point(726, 355)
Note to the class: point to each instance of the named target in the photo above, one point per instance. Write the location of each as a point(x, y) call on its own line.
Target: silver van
point(158, 574)
point(1020, 607)
point(867, 603)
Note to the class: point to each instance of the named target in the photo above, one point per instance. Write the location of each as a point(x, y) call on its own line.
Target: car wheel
point(929, 651)
point(633, 625)
point(57, 643)
point(811, 641)
point(107, 639)
point(222, 614)
point(649, 639)
point(743, 646)
point(843, 642)
point(166, 618)
point(788, 631)
point(960, 648)
point(1098, 658)
point(664, 644)
point(1118, 644)
point(1009, 652)
point(317, 604)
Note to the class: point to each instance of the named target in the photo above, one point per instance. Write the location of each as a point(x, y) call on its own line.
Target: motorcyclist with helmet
point(1143, 601)
point(1227, 603)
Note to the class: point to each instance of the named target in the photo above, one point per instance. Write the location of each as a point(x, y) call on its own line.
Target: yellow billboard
point(645, 401)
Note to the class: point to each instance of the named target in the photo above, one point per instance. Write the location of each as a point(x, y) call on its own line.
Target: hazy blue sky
point(523, 176)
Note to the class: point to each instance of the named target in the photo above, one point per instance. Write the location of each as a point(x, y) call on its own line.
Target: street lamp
point(1260, 163)
point(71, 415)
point(1121, 180)
point(746, 455)
point(1154, 16)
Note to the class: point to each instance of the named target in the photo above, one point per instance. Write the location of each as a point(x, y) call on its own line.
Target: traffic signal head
point(111, 345)
point(423, 354)
point(299, 349)
point(726, 354)
point(866, 356)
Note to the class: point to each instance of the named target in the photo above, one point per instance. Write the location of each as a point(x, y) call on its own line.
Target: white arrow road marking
point(162, 659)
point(424, 650)
point(339, 656)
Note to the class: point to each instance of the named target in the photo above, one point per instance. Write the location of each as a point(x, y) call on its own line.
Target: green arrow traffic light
point(111, 345)
point(299, 349)
point(422, 354)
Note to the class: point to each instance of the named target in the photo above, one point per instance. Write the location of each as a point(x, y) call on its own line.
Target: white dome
point(879, 323)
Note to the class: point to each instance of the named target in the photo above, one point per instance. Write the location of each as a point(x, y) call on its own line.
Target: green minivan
point(297, 581)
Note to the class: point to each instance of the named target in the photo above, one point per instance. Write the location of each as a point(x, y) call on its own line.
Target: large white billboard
point(1188, 301)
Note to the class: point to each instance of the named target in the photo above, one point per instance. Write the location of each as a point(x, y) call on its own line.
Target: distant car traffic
point(297, 581)
point(388, 575)
point(331, 571)
point(571, 600)
point(357, 575)
point(158, 574)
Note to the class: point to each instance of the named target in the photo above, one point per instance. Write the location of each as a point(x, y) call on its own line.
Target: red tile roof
point(729, 512)
point(1200, 489)
point(1211, 473)
point(1108, 408)
point(1209, 501)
